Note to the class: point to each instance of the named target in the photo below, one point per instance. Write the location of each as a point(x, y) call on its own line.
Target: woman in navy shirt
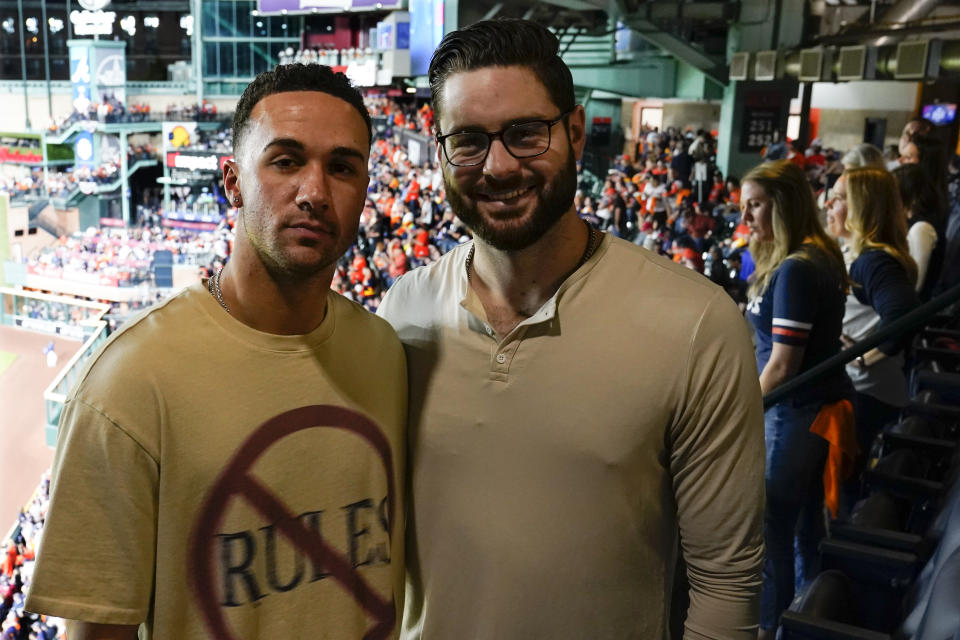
point(883, 277)
point(796, 308)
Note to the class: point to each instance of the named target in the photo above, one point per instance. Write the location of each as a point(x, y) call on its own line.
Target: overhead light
point(151, 22)
point(56, 25)
point(33, 25)
point(411, 89)
point(186, 23)
point(259, 24)
point(8, 25)
point(129, 24)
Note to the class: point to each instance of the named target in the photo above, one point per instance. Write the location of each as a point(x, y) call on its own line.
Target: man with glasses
point(579, 406)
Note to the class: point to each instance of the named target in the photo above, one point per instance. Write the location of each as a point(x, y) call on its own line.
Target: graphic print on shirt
point(239, 568)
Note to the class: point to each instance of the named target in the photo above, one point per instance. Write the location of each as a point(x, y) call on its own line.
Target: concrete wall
point(845, 107)
point(893, 96)
point(26, 244)
point(697, 115)
point(14, 116)
point(66, 221)
point(676, 113)
point(843, 128)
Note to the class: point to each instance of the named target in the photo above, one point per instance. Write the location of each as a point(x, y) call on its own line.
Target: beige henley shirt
point(556, 469)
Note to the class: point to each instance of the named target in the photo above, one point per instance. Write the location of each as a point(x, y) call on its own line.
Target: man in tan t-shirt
point(230, 464)
point(580, 408)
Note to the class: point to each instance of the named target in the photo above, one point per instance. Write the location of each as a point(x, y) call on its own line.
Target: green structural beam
point(713, 67)
point(654, 78)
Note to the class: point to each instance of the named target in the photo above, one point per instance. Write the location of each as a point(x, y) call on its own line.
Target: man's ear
point(577, 130)
point(231, 182)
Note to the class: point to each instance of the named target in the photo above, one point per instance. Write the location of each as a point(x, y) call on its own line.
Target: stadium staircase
point(76, 193)
point(891, 566)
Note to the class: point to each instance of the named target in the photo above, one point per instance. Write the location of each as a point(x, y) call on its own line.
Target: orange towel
point(835, 424)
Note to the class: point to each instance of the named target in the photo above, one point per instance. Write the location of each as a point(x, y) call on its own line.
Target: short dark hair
point(296, 77)
point(501, 43)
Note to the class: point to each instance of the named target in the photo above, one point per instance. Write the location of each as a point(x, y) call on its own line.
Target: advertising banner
point(276, 6)
point(195, 166)
point(177, 135)
point(426, 31)
point(81, 77)
point(110, 72)
point(83, 149)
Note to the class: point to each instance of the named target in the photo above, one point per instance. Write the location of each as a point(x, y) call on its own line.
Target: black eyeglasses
point(522, 140)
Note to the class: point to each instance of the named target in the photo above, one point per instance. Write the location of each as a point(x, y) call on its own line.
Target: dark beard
point(553, 202)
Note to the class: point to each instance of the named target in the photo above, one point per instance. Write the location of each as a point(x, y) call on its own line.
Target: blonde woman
point(883, 276)
point(796, 308)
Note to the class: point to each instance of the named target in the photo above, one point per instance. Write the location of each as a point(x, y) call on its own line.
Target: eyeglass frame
point(499, 134)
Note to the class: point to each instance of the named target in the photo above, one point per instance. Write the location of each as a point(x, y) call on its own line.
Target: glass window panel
point(261, 57)
point(276, 26)
point(244, 22)
point(210, 59)
point(210, 18)
point(35, 69)
point(260, 26)
point(243, 60)
point(59, 69)
point(227, 21)
point(226, 59)
point(275, 49)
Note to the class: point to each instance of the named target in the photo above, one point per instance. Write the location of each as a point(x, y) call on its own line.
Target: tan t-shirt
point(552, 469)
point(214, 481)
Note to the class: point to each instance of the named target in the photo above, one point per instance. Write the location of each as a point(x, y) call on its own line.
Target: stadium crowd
point(60, 184)
point(17, 556)
point(111, 110)
point(668, 196)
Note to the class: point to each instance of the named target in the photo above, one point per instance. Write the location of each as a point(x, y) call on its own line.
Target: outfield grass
point(6, 359)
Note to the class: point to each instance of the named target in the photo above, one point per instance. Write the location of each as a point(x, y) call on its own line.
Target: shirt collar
point(477, 317)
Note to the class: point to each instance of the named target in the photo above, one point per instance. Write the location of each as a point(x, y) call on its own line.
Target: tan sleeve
point(717, 464)
point(96, 557)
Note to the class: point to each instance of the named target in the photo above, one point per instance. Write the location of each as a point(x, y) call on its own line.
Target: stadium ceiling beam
point(639, 16)
point(494, 10)
point(653, 78)
point(579, 5)
point(714, 68)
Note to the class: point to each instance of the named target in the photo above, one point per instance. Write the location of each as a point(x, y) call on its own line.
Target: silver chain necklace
point(213, 286)
point(592, 245)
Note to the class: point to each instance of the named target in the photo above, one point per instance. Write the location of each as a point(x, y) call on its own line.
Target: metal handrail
point(912, 320)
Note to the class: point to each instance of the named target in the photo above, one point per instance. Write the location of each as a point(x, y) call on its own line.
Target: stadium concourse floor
point(23, 454)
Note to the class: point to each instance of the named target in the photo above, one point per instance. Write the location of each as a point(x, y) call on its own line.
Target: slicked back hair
point(503, 42)
point(296, 77)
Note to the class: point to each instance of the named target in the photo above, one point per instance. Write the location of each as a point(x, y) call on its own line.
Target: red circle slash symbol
point(237, 479)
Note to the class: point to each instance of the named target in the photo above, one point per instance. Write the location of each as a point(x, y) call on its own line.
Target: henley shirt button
point(501, 358)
